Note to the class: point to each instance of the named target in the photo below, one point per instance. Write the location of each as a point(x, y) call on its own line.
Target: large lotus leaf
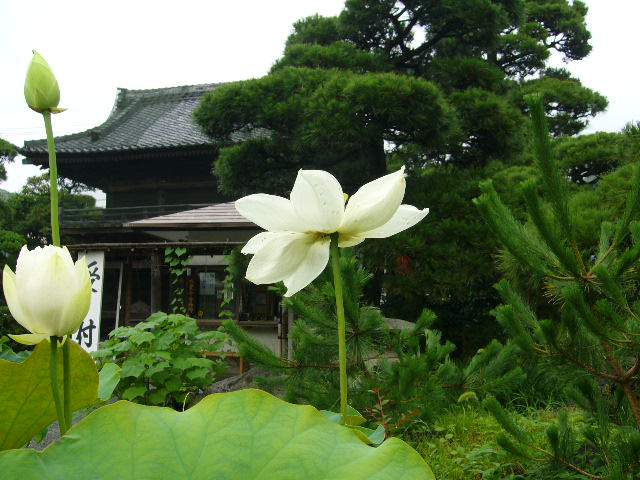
point(245, 435)
point(26, 403)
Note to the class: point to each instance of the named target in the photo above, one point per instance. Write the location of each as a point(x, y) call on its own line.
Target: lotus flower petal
point(30, 338)
point(350, 240)
point(405, 217)
point(317, 198)
point(79, 302)
point(279, 257)
point(12, 297)
point(273, 213)
point(296, 247)
point(312, 265)
point(373, 204)
point(48, 294)
point(256, 242)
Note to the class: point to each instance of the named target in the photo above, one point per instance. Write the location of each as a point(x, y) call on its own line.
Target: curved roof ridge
point(137, 120)
point(197, 88)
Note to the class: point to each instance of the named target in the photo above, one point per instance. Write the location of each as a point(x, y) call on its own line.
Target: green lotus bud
point(41, 89)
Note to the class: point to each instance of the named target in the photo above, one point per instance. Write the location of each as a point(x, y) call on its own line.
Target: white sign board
point(88, 334)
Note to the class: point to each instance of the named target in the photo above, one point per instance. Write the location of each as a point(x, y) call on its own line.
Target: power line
point(39, 127)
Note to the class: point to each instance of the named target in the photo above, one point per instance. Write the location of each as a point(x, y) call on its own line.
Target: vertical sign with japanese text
point(88, 334)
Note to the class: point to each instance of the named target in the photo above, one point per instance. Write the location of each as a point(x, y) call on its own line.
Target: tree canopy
point(436, 85)
point(27, 213)
point(445, 79)
point(7, 153)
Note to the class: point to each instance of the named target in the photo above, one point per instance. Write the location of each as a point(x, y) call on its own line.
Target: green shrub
point(163, 360)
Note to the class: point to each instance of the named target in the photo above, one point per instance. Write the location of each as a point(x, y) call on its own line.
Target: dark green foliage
point(316, 30)
point(330, 101)
point(589, 328)
point(430, 84)
point(587, 157)
point(9, 326)
point(28, 213)
point(569, 104)
point(7, 153)
point(457, 74)
point(10, 245)
point(492, 124)
point(444, 263)
point(340, 54)
point(163, 360)
point(396, 376)
point(316, 118)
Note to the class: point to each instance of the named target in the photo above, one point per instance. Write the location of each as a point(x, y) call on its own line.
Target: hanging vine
point(177, 259)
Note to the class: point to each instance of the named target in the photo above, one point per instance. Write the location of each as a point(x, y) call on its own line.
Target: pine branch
point(546, 229)
point(631, 211)
point(520, 243)
point(549, 169)
point(519, 435)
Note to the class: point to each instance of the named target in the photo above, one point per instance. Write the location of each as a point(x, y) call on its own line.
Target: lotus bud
point(41, 89)
point(48, 294)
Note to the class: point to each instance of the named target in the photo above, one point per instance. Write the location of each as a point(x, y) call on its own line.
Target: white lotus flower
point(295, 248)
point(48, 295)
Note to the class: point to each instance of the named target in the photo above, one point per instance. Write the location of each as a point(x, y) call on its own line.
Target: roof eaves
point(127, 101)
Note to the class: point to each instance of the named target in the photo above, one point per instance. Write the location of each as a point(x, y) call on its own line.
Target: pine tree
point(593, 324)
point(395, 376)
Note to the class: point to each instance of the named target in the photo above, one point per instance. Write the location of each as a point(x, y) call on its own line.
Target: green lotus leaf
point(353, 417)
point(233, 436)
point(369, 436)
point(26, 403)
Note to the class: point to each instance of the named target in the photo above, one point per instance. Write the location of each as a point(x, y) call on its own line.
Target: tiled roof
point(140, 120)
point(221, 215)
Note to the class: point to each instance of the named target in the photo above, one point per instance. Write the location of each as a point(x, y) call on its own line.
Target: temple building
point(154, 165)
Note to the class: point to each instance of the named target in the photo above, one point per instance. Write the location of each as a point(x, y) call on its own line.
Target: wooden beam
point(148, 245)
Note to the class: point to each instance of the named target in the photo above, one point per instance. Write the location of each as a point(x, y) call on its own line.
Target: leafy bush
point(163, 360)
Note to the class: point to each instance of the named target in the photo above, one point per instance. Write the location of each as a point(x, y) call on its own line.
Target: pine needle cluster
point(593, 327)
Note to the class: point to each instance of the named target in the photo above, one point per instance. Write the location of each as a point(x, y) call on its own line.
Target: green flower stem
point(53, 179)
point(64, 413)
point(342, 342)
point(66, 366)
point(54, 385)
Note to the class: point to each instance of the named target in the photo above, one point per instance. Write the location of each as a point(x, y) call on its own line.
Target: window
point(205, 294)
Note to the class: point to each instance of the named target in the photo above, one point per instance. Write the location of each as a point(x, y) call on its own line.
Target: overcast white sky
point(95, 47)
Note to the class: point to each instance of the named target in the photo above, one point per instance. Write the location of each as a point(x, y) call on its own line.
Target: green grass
point(461, 445)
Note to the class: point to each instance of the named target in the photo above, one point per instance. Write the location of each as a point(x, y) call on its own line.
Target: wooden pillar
point(156, 282)
point(128, 289)
point(290, 320)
